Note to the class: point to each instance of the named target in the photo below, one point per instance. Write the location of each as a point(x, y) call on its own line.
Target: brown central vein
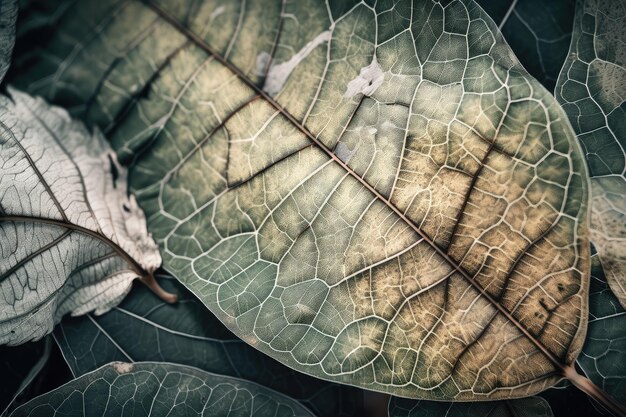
point(202, 44)
point(60, 223)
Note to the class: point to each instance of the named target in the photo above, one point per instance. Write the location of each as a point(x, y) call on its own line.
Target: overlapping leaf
point(592, 90)
point(144, 328)
point(377, 194)
point(71, 238)
point(160, 389)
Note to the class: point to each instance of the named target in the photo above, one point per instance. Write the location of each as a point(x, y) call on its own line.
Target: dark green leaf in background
point(160, 389)
point(19, 366)
point(592, 91)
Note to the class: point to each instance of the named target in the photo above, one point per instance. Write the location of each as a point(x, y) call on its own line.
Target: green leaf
point(591, 90)
point(538, 31)
point(527, 407)
point(373, 194)
point(160, 389)
point(144, 328)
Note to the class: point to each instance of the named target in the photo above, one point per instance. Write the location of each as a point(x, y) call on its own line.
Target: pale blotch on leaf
point(122, 367)
point(370, 78)
point(278, 73)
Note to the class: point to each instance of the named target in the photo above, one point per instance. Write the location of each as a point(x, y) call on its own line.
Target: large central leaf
point(374, 194)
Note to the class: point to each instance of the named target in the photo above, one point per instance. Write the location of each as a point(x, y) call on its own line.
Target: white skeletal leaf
point(71, 238)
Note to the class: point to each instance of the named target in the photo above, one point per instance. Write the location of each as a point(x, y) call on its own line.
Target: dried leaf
point(72, 239)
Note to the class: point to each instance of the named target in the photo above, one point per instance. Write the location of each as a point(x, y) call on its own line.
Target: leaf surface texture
point(373, 194)
point(603, 358)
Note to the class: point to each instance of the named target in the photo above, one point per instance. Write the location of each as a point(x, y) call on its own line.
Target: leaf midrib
point(208, 49)
point(136, 267)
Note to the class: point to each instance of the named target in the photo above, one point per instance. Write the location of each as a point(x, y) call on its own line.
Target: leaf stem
point(150, 282)
point(585, 385)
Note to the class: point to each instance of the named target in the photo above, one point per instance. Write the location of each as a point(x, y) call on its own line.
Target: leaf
point(539, 32)
point(72, 239)
point(397, 205)
point(8, 15)
point(160, 389)
point(603, 358)
point(186, 333)
point(591, 90)
point(527, 407)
